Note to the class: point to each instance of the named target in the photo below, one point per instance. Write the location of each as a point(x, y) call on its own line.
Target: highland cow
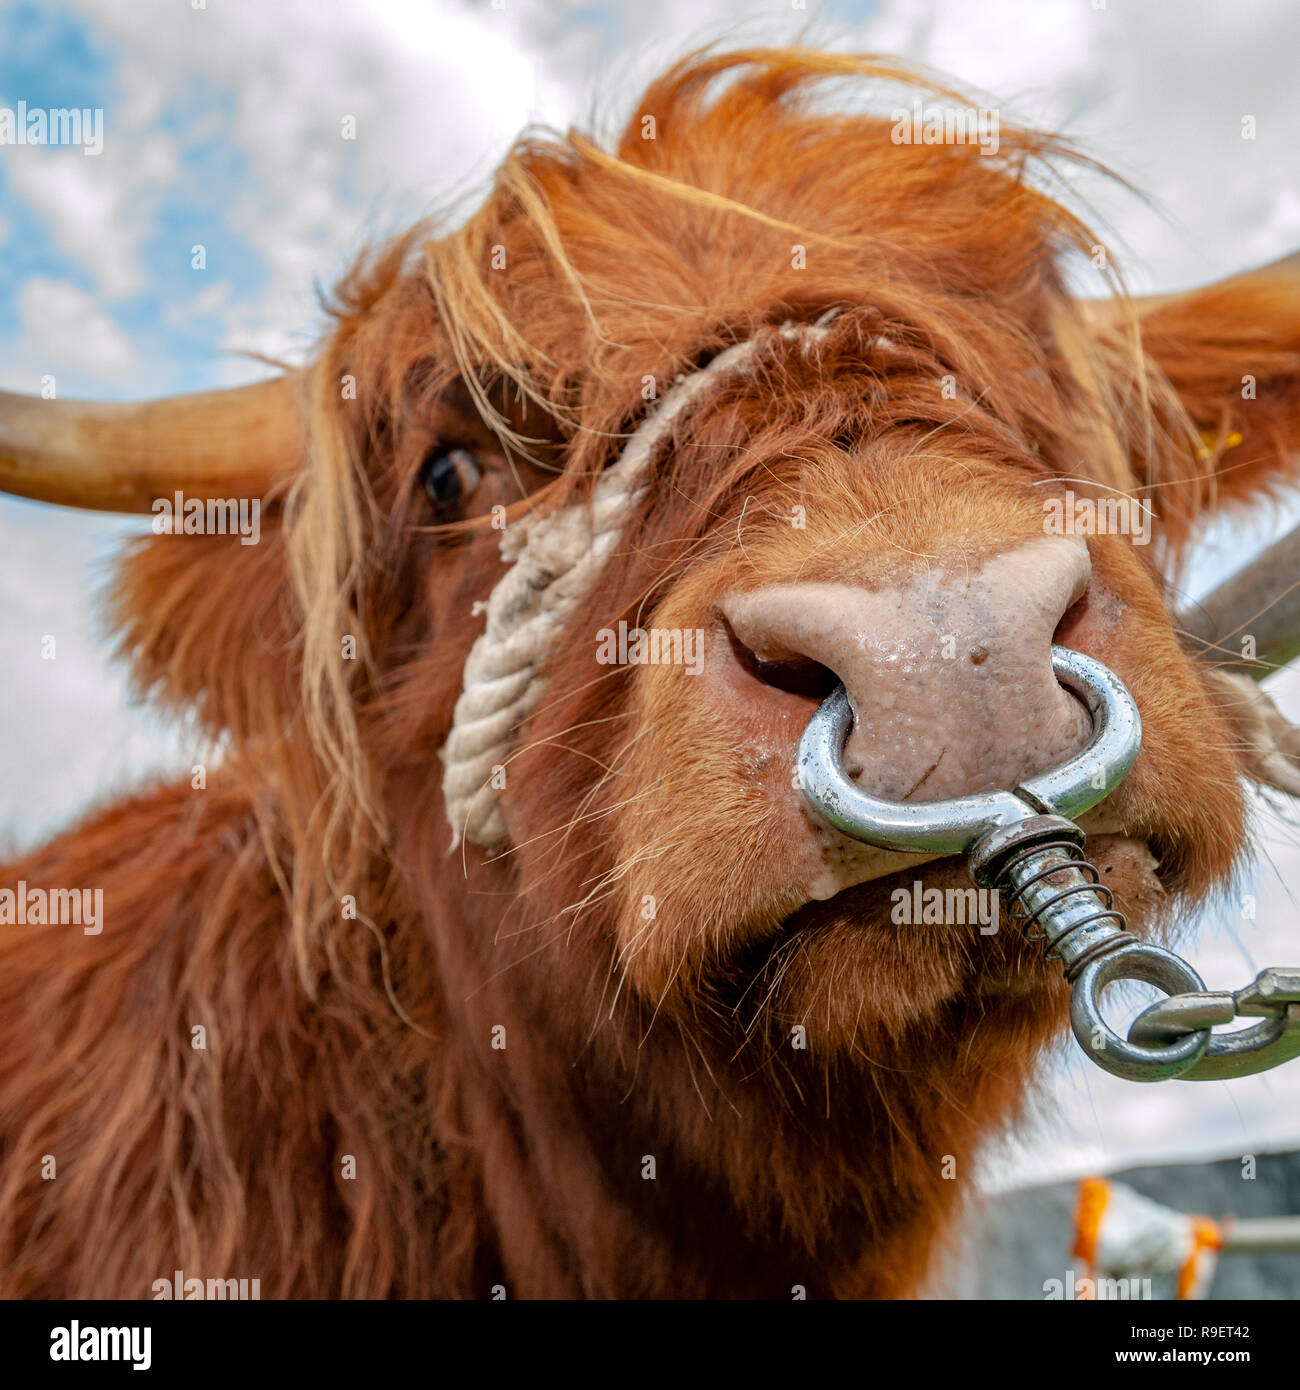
point(480, 963)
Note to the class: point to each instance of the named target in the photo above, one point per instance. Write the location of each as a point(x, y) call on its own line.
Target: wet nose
point(949, 671)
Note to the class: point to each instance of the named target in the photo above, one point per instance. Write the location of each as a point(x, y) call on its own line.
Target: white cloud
point(1158, 92)
point(437, 92)
point(99, 208)
point(68, 737)
point(64, 332)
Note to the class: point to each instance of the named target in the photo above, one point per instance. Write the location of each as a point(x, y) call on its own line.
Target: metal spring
point(1028, 922)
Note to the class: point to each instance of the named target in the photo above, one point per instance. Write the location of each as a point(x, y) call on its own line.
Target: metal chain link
point(1273, 995)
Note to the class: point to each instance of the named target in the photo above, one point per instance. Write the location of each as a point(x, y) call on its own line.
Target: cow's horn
point(1284, 272)
point(121, 457)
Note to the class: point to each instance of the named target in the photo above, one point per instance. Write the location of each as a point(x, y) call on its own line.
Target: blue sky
point(193, 180)
point(223, 128)
point(171, 318)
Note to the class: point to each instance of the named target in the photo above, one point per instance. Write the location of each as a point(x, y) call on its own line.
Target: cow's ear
point(208, 625)
point(1230, 353)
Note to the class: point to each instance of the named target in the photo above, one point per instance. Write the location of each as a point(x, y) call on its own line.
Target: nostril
point(795, 674)
point(1072, 620)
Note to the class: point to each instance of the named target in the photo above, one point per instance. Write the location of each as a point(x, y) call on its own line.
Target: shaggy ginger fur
point(353, 1126)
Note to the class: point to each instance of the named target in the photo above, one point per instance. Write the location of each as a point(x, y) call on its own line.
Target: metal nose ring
point(950, 827)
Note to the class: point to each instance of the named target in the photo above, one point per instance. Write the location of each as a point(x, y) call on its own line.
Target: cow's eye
point(449, 476)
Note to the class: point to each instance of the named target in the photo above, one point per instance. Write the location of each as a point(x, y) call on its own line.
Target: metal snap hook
point(1274, 996)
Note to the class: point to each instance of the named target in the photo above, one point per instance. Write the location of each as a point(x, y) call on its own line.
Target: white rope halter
point(556, 558)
